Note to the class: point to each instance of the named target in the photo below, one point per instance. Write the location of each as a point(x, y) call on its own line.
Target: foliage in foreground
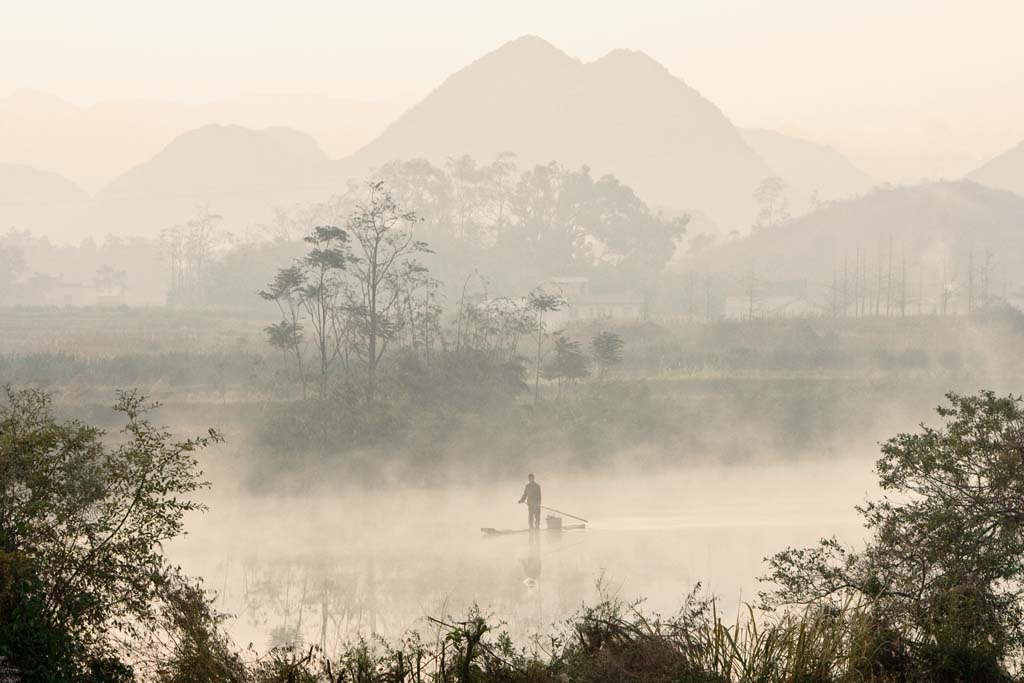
point(934, 596)
point(610, 641)
point(944, 563)
point(83, 519)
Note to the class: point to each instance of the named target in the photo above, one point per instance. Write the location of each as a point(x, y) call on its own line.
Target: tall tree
point(606, 348)
point(322, 294)
point(286, 290)
point(541, 303)
point(383, 267)
point(568, 364)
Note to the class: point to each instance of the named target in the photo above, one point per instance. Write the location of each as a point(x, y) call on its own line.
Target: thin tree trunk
point(540, 340)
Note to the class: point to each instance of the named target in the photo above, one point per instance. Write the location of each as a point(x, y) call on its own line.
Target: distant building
point(581, 304)
point(46, 290)
point(609, 307)
point(60, 293)
point(570, 286)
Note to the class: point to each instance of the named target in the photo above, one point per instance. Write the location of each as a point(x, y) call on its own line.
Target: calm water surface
point(324, 568)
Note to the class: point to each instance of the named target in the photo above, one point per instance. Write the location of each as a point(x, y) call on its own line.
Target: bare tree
point(190, 248)
point(752, 293)
point(770, 196)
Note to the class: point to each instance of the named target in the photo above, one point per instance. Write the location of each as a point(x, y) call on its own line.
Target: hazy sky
point(905, 87)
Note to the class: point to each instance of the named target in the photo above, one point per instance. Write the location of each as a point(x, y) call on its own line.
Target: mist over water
point(384, 560)
point(289, 316)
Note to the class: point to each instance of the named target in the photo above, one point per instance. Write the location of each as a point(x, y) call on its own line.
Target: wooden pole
point(542, 507)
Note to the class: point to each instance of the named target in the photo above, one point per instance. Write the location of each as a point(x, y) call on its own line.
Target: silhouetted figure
point(531, 496)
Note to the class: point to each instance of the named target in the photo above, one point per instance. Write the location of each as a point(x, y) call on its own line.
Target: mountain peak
point(527, 53)
point(529, 43)
point(623, 114)
point(215, 159)
point(227, 137)
point(634, 59)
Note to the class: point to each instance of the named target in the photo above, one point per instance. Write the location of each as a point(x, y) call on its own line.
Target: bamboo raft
point(490, 531)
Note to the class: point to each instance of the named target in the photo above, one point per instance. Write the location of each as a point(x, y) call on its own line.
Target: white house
point(581, 304)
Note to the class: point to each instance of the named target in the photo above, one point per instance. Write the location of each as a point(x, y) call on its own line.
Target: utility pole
point(903, 285)
point(970, 282)
point(858, 290)
point(835, 290)
point(920, 289)
point(846, 278)
point(985, 276)
point(945, 289)
point(707, 297)
point(878, 285)
point(888, 286)
point(865, 290)
point(689, 297)
point(751, 292)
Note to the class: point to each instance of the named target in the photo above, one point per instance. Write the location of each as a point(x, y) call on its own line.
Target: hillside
point(1006, 171)
point(94, 144)
point(40, 201)
point(811, 170)
point(89, 145)
point(240, 173)
point(219, 159)
point(934, 226)
point(623, 114)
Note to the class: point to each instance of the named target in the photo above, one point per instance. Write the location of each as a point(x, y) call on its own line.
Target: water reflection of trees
point(308, 600)
point(328, 601)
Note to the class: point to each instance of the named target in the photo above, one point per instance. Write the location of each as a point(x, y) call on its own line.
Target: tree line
point(361, 290)
point(520, 227)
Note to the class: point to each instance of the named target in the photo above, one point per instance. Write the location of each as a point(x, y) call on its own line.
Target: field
point(729, 390)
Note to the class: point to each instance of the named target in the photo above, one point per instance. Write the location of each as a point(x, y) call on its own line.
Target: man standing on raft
point(531, 496)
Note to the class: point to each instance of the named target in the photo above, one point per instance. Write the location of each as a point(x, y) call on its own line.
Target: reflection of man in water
point(532, 565)
point(531, 496)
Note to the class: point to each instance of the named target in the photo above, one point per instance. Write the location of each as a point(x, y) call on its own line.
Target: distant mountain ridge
point(239, 173)
point(94, 144)
point(1006, 171)
point(210, 159)
point(21, 183)
point(623, 114)
point(812, 171)
point(936, 227)
point(38, 200)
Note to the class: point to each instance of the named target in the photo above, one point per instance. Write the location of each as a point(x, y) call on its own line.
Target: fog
point(386, 558)
point(295, 299)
